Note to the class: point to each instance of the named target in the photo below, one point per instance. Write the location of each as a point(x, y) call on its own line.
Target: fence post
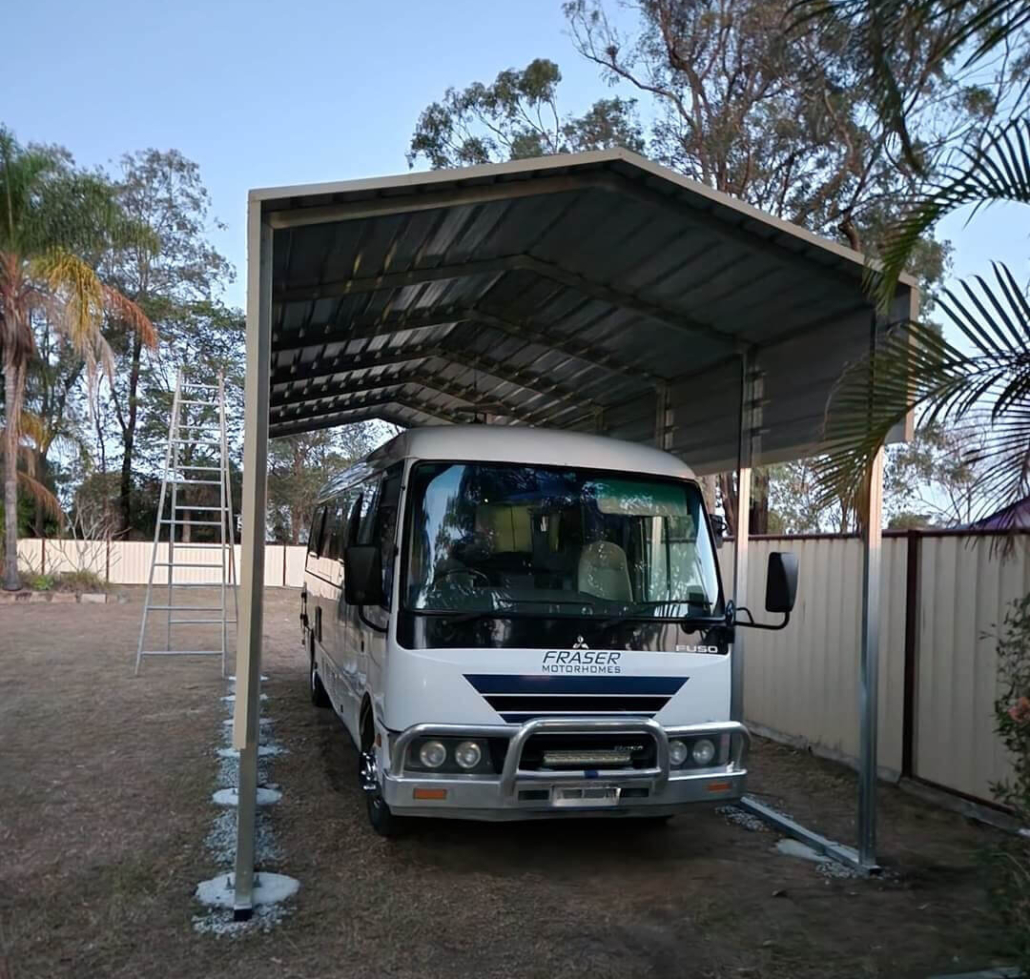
point(284, 564)
point(914, 547)
point(42, 555)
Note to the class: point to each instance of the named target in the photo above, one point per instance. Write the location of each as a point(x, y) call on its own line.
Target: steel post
point(255, 477)
point(870, 663)
point(745, 456)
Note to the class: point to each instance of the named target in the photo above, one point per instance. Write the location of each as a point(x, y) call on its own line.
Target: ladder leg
point(157, 530)
point(171, 533)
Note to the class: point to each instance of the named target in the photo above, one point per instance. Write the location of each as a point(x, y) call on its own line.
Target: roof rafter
point(419, 319)
point(507, 263)
point(419, 378)
point(536, 384)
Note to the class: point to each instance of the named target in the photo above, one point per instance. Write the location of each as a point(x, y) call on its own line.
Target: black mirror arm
point(752, 624)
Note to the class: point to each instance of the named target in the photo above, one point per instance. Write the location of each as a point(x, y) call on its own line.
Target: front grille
point(641, 748)
point(520, 698)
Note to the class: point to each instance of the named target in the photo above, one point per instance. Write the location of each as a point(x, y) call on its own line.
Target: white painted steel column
point(745, 456)
point(252, 573)
point(870, 663)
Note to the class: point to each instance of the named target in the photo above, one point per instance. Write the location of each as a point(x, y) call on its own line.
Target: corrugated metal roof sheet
point(575, 292)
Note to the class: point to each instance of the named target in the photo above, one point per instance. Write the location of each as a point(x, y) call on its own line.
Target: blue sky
point(263, 93)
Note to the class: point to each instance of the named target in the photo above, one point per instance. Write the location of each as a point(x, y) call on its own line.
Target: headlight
point(468, 754)
point(433, 754)
point(703, 751)
point(677, 753)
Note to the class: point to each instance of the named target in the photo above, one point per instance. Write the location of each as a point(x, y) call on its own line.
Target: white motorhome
point(519, 623)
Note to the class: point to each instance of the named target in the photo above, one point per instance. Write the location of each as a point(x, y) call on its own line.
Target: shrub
point(82, 580)
point(1009, 862)
point(39, 582)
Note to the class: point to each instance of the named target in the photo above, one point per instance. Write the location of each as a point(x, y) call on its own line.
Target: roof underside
point(597, 292)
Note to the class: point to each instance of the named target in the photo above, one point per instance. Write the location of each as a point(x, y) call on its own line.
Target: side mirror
point(718, 528)
point(363, 575)
point(781, 591)
point(781, 583)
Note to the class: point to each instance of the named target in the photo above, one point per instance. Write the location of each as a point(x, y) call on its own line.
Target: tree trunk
point(129, 439)
point(12, 580)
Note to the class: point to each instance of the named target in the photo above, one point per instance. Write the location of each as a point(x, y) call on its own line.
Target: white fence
point(941, 595)
point(128, 562)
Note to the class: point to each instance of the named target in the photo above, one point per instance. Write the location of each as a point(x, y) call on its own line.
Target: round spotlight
point(677, 753)
point(468, 754)
point(432, 754)
point(703, 751)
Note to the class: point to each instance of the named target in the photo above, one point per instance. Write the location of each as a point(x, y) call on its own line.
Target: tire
point(383, 821)
point(318, 695)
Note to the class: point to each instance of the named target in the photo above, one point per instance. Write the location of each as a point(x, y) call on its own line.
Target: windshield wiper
point(634, 612)
point(472, 615)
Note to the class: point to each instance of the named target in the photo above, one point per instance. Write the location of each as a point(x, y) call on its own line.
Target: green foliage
point(1010, 862)
point(39, 582)
point(517, 117)
point(984, 384)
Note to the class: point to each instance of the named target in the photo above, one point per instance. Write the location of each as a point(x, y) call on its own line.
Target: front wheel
point(383, 821)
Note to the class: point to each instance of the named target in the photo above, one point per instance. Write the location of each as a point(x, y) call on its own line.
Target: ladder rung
point(194, 482)
point(207, 469)
point(194, 442)
point(195, 584)
point(185, 608)
point(206, 404)
point(181, 652)
point(197, 384)
point(194, 523)
point(195, 621)
point(196, 506)
point(200, 543)
point(180, 564)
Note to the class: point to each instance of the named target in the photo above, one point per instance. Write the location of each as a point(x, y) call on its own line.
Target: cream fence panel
point(965, 586)
point(802, 682)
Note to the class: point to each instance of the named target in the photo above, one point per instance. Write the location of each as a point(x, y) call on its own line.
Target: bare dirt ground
point(105, 785)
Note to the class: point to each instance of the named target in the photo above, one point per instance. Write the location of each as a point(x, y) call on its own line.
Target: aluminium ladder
point(198, 422)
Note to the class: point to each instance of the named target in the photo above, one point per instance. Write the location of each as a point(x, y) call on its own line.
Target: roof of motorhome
point(534, 446)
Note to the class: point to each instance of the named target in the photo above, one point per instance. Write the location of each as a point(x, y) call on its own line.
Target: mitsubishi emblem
point(579, 644)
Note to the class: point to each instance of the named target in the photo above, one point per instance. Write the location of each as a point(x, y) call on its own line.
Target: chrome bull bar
point(511, 774)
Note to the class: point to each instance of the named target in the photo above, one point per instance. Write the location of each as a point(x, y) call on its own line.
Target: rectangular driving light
point(430, 794)
point(586, 759)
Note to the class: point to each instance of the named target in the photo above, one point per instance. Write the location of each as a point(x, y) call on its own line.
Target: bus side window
point(386, 528)
point(353, 521)
point(368, 505)
point(317, 532)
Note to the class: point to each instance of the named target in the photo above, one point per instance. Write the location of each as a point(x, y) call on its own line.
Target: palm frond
point(132, 315)
point(998, 170)
point(914, 368)
point(41, 496)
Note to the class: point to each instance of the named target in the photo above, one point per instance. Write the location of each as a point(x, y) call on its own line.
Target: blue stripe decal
point(490, 683)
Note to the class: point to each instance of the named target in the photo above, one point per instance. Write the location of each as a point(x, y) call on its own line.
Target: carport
point(597, 292)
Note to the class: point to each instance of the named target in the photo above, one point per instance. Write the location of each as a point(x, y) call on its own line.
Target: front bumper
point(534, 794)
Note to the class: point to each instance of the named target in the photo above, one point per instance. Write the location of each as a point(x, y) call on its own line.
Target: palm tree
point(49, 215)
point(985, 382)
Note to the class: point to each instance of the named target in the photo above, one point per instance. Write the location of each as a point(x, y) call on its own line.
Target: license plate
point(588, 795)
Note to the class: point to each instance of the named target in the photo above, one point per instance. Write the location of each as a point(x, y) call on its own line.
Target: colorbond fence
point(128, 562)
point(941, 595)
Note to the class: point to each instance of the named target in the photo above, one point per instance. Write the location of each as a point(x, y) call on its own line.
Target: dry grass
point(105, 807)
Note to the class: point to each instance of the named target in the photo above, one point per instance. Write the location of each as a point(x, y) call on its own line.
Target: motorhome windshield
point(556, 541)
